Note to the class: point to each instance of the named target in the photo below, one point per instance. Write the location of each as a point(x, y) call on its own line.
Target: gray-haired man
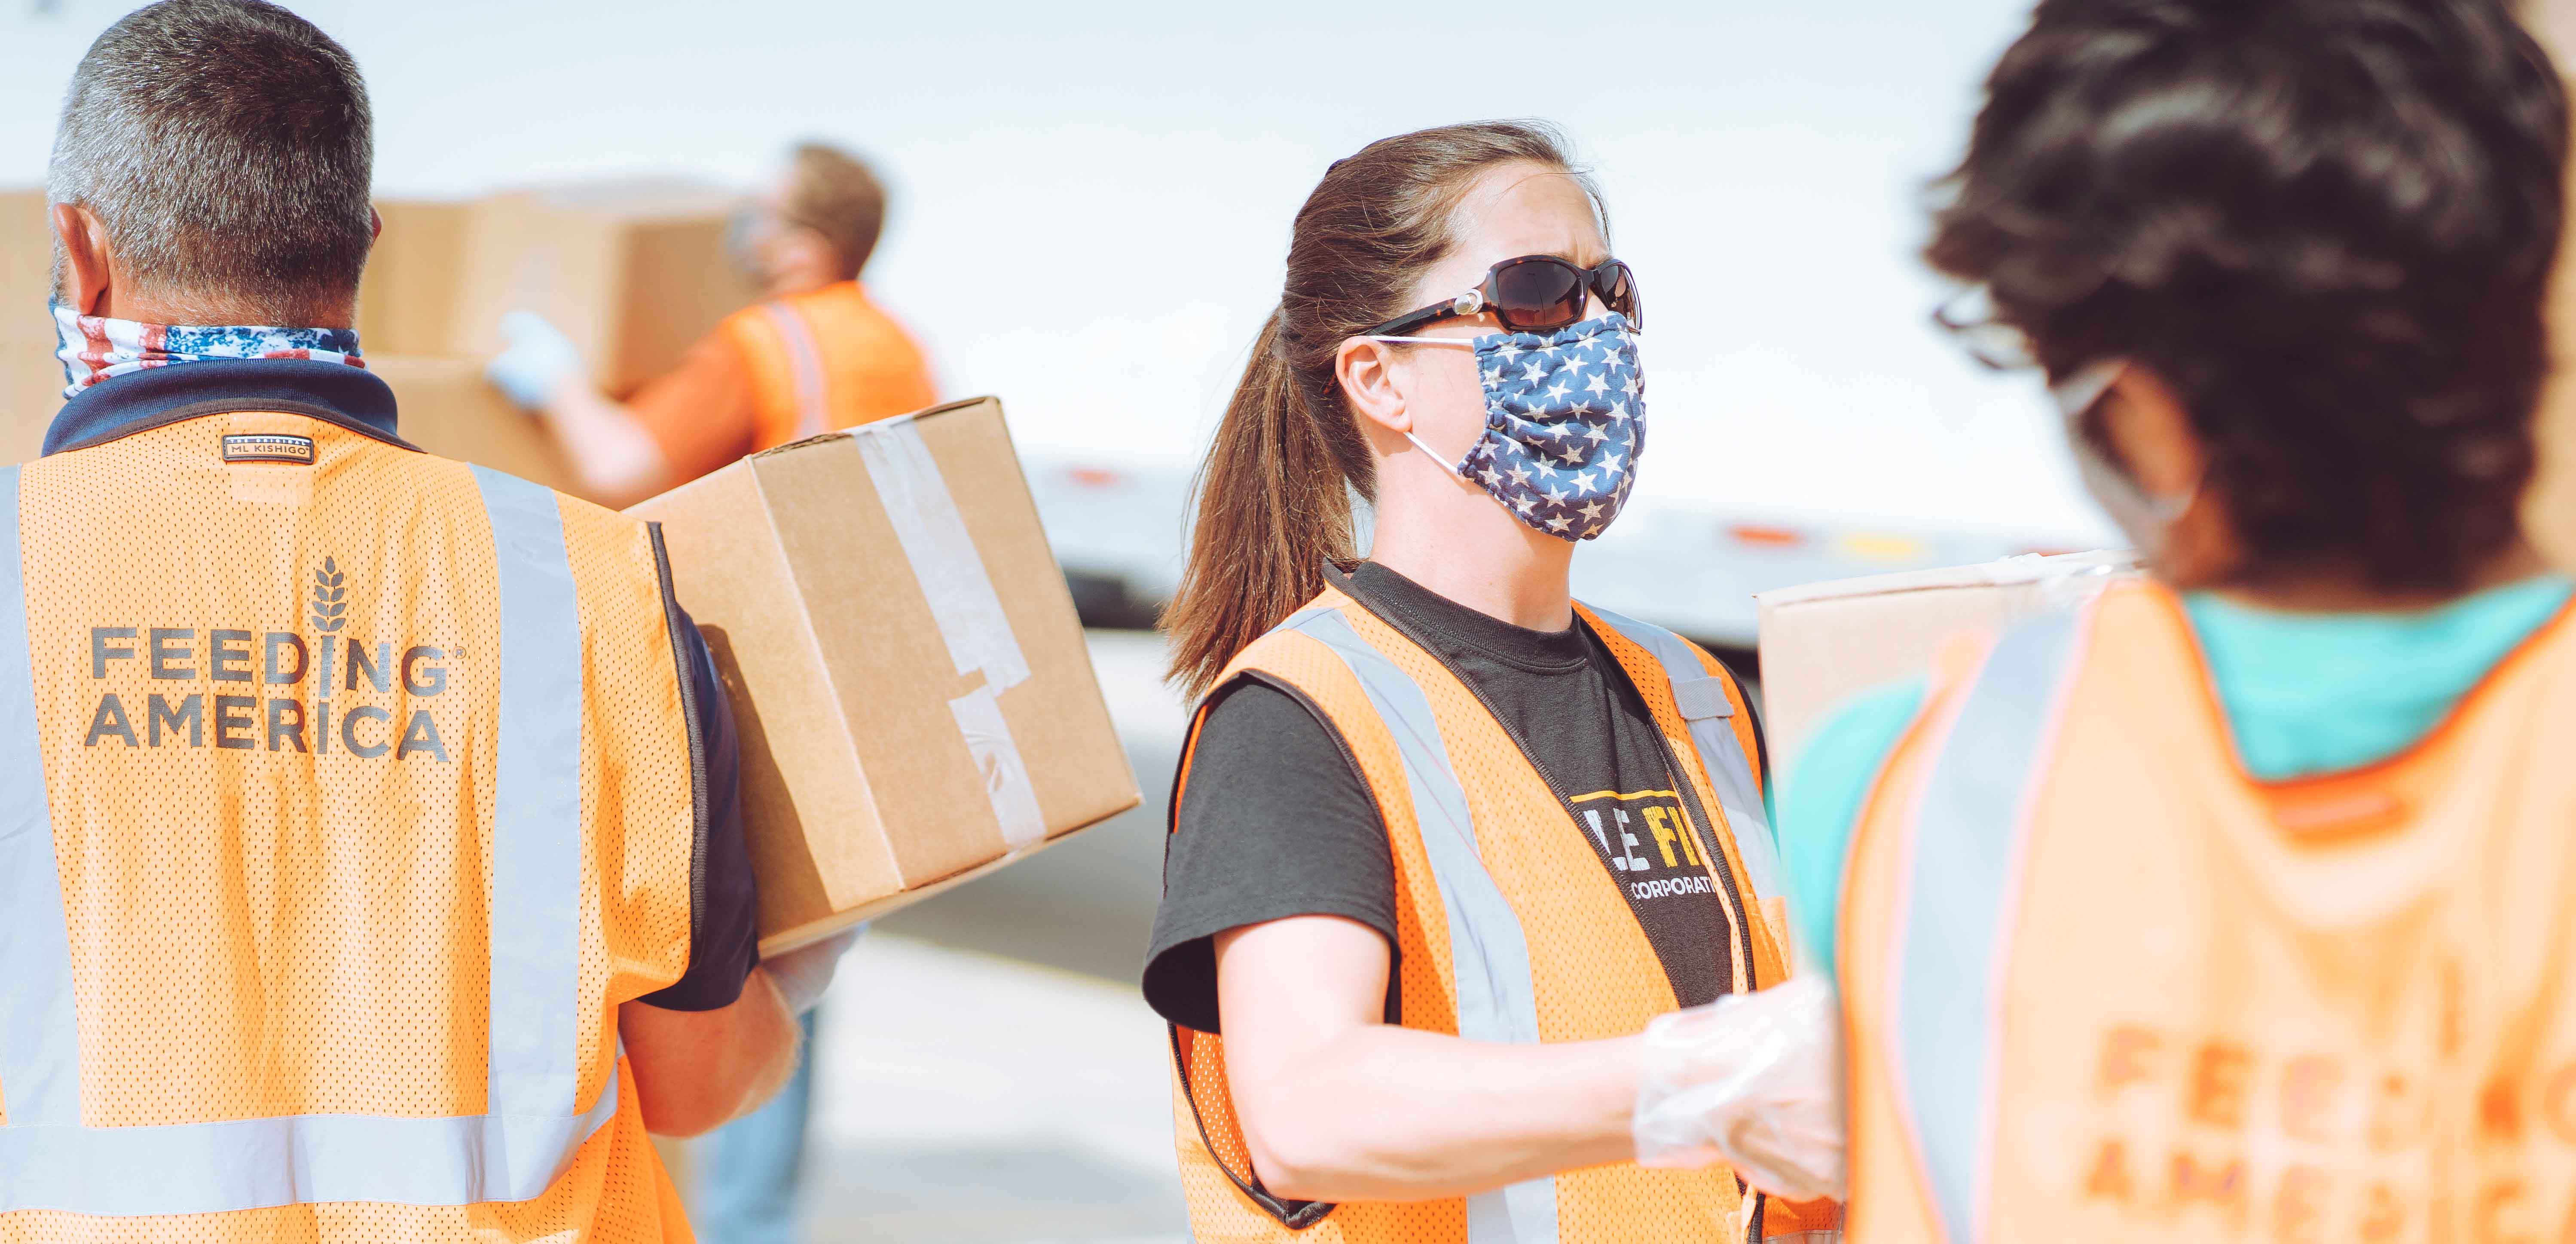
point(370, 865)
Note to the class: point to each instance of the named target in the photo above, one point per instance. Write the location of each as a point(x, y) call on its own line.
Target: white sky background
point(1093, 200)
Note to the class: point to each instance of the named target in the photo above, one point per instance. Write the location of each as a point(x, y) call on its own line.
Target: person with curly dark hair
point(2235, 896)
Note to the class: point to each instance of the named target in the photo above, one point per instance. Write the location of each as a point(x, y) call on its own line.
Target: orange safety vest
point(1492, 868)
point(345, 792)
point(2104, 986)
point(826, 360)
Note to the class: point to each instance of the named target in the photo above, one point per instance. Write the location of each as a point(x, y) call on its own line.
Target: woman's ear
point(2151, 436)
point(1366, 371)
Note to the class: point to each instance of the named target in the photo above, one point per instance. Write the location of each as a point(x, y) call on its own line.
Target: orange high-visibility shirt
point(2104, 986)
point(1508, 929)
point(345, 794)
point(781, 371)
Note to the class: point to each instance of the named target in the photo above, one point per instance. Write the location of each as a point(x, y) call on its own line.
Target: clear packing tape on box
point(2066, 580)
point(967, 610)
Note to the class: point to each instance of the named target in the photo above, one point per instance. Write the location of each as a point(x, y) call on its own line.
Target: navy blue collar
point(351, 397)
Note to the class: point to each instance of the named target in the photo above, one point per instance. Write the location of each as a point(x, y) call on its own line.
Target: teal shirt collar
point(2310, 693)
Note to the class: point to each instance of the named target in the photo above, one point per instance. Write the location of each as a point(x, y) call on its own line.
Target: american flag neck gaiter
point(95, 347)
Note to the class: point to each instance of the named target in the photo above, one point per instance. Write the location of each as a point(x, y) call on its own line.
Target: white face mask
point(2140, 515)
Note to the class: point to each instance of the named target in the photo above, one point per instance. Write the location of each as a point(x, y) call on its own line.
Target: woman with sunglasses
point(1446, 843)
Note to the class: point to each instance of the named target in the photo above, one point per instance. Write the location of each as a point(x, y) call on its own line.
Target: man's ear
point(2150, 431)
point(85, 265)
point(375, 223)
point(1366, 371)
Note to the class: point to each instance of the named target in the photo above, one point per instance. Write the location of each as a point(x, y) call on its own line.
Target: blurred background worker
point(406, 908)
point(817, 356)
point(2245, 890)
point(1447, 841)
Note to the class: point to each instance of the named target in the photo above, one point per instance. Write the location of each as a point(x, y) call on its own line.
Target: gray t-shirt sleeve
point(1276, 822)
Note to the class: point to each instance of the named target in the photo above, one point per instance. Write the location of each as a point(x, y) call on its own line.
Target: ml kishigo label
point(268, 447)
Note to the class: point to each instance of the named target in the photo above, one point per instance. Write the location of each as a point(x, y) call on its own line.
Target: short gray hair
point(225, 147)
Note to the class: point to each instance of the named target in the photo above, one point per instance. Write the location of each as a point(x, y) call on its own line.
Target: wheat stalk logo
point(328, 605)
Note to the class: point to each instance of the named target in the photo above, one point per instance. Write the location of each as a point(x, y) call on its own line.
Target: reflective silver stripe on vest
point(1705, 708)
point(39, 1031)
point(200, 1168)
point(1969, 837)
point(530, 1130)
point(1488, 956)
point(536, 806)
point(804, 367)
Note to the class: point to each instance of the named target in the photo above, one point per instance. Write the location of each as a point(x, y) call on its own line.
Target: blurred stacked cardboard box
point(30, 381)
point(26, 268)
point(448, 409)
point(407, 302)
point(31, 390)
point(633, 272)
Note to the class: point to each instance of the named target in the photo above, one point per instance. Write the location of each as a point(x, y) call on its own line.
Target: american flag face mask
point(1565, 416)
point(95, 348)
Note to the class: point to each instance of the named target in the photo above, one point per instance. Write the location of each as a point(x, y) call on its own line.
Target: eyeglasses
point(1534, 293)
point(1970, 318)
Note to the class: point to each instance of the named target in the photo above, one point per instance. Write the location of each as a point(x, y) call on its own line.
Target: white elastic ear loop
point(2078, 392)
point(1460, 468)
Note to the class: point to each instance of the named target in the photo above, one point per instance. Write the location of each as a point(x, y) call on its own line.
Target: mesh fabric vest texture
point(826, 360)
point(270, 707)
point(1590, 971)
point(2102, 985)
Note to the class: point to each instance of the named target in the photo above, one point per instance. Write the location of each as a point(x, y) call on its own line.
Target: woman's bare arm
point(1338, 1105)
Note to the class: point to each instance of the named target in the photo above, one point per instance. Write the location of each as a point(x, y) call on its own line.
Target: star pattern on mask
point(1564, 420)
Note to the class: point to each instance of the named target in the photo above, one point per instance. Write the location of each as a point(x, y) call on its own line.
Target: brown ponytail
point(1274, 494)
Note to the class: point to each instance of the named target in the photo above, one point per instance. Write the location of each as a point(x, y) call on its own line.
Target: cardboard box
point(31, 391)
point(26, 268)
point(446, 407)
point(1823, 643)
point(916, 703)
point(407, 300)
point(635, 273)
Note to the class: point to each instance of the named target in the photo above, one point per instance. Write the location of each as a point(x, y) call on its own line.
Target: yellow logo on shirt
point(1647, 840)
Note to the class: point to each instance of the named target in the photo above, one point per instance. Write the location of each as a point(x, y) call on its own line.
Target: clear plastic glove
point(804, 973)
point(1753, 1081)
point(535, 363)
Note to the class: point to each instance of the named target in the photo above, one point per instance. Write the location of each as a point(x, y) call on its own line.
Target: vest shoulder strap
point(2000, 698)
point(785, 358)
point(1712, 706)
